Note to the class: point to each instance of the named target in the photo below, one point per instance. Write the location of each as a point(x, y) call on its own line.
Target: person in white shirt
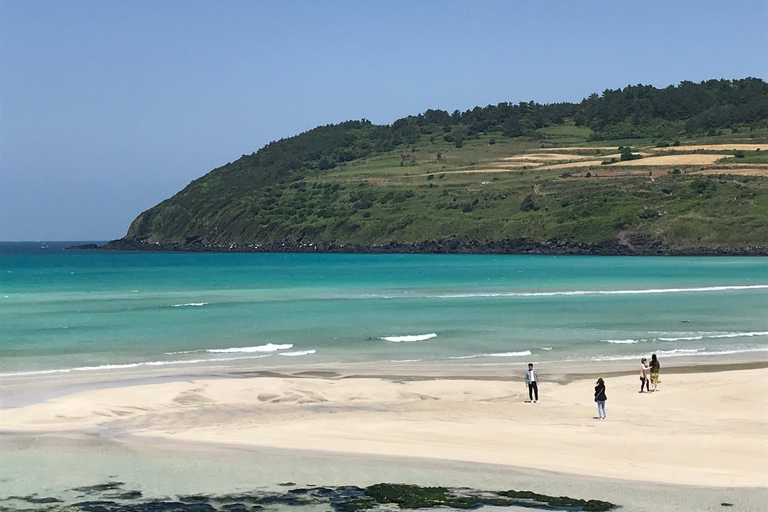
point(532, 383)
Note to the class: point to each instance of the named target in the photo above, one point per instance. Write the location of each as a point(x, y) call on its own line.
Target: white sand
point(707, 429)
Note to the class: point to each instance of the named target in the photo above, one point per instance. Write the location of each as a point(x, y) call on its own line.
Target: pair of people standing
point(532, 383)
point(649, 374)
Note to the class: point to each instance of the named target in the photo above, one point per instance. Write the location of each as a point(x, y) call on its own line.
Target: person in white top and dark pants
point(532, 383)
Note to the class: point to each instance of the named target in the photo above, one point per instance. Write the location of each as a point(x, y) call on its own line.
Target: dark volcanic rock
point(84, 246)
point(34, 499)
point(634, 244)
point(91, 489)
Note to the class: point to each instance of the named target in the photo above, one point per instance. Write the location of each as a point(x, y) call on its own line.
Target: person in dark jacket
point(655, 367)
point(600, 398)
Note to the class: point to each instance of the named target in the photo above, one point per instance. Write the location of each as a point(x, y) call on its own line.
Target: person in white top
point(644, 375)
point(532, 383)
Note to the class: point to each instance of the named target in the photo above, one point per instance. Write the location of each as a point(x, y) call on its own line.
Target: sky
point(109, 107)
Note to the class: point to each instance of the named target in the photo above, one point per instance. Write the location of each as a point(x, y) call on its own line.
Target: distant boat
point(44, 246)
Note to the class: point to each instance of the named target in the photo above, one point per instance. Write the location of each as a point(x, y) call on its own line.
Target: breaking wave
point(699, 289)
point(496, 354)
point(128, 365)
point(269, 347)
point(714, 335)
point(298, 353)
point(679, 352)
point(413, 337)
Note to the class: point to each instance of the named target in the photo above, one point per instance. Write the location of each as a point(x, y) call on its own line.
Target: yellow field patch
point(736, 171)
point(672, 160)
point(582, 163)
point(717, 147)
point(579, 148)
point(545, 157)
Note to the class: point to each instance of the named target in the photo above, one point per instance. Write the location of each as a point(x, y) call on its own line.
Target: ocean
point(78, 311)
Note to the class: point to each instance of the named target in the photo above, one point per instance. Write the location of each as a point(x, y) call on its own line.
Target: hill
point(676, 168)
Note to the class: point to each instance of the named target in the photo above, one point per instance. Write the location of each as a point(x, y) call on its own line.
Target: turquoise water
point(64, 310)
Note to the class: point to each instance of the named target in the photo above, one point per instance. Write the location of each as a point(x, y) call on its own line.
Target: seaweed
point(378, 497)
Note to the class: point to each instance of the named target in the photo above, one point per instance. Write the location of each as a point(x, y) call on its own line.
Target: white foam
point(127, 366)
point(623, 342)
point(715, 335)
point(298, 353)
point(269, 347)
point(190, 304)
point(700, 289)
point(413, 337)
point(739, 334)
point(497, 354)
point(546, 348)
point(510, 354)
point(678, 353)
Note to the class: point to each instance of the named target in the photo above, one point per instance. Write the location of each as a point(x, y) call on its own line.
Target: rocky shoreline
point(636, 244)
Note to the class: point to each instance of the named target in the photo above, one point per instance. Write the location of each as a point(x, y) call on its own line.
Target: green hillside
point(505, 171)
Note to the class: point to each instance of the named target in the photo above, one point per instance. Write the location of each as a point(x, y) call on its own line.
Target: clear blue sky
point(107, 108)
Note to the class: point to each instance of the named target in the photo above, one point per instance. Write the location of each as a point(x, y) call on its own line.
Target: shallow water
point(65, 311)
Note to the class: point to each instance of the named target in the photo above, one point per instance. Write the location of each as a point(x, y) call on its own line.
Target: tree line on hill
point(639, 111)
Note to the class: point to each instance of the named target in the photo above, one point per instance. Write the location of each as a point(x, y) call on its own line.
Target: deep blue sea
point(64, 310)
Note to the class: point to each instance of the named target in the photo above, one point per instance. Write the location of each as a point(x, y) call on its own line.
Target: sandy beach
point(702, 428)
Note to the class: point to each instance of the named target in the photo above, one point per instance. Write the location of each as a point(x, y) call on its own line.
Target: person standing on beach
point(655, 367)
point(600, 398)
point(644, 379)
point(532, 383)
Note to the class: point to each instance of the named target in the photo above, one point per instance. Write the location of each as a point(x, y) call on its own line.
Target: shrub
point(626, 154)
point(528, 205)
point(649, 214)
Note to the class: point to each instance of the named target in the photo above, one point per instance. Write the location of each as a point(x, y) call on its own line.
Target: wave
point(128, 366)
point(269, 347)
point(689, 336)
point(413, 337)
point(546, 348)
point(679, 352)
point(298, 353)
point(715, 335)
point(699, 289)
point(190, 304)
point(497, 354)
